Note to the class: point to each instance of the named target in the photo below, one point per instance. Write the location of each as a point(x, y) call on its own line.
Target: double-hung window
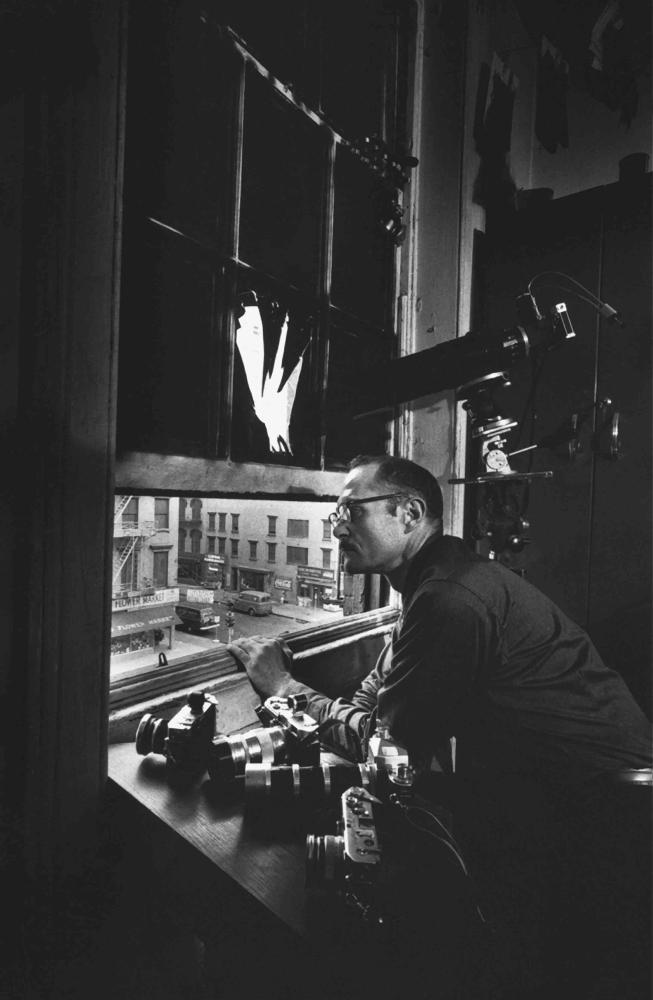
point(262, 234)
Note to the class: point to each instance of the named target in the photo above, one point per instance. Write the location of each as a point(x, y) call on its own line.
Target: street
point(285, 618)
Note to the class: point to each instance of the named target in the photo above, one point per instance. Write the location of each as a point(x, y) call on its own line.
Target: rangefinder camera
point(185, 739)
point(349, 862)
point(290, 736)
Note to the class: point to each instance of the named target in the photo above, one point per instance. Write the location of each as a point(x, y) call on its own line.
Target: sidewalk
point(186, 644)
point(313, 616)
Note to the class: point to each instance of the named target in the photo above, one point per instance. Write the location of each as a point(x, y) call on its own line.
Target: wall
point(431, 278)
point(62, 344)
point(598, 139)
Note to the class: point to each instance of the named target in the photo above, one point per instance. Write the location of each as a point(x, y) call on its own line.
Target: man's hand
point(267, 662)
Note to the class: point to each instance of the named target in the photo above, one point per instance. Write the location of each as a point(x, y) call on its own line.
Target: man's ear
point(415, 510)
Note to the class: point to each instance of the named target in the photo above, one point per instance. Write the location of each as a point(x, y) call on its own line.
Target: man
point(546, 731)
point(478, 654)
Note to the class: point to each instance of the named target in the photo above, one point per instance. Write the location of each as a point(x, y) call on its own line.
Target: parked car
point(253, 602)
point(196, 617)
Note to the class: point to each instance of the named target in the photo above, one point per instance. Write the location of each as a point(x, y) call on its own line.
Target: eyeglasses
point(344, 509)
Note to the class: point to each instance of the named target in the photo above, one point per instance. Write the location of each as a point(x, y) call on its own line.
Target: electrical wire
point(581, 292)
point(448, 841)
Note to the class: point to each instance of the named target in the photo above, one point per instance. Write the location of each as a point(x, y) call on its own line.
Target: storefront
point(138, 628)
point(282, 588)
point(315, 586)
point(246, 578)
point(213, 573)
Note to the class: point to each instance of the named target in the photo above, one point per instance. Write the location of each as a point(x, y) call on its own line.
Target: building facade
point(285, 549)
point(144, 572)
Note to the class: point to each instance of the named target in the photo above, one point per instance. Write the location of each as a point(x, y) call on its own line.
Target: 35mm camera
point(185, 739)
point(290, 736)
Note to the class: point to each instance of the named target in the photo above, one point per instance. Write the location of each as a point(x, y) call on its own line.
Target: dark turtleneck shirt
point(482, 655)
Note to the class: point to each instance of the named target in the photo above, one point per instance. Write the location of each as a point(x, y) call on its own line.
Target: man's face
point(373, 541)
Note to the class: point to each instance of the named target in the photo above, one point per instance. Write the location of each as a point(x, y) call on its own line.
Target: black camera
point(185, 739)
point(349, 862)
point(290, 736)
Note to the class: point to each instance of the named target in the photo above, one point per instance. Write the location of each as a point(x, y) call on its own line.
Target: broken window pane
point(274, 415)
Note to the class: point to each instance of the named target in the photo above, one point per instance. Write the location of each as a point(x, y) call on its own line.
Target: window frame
point(158, 515)
point(157, 555)
point(292, 532)
point(150, 472)
point(298, 548)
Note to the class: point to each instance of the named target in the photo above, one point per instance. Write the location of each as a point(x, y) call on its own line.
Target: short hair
point(406, 475)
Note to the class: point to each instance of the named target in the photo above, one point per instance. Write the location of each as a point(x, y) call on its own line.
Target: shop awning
point(128, 622)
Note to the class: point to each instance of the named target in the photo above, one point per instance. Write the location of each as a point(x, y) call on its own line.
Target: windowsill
point(318, 653)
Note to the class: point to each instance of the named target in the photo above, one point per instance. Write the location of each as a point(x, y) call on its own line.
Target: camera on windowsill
point(385, 772)
point(289, 736)
point(186, 738)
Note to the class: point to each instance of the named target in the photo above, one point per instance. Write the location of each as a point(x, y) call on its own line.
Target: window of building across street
point(162, 512)
point(295, 555)
point(297, 529)
point(160, 569)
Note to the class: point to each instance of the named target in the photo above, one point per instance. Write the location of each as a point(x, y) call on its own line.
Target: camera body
point(290, 715)
point(289, 736)
point(186, 738)
point(351, 857)
point(349, 864)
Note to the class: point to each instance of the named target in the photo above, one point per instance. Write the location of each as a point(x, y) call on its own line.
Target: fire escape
point(129, 535)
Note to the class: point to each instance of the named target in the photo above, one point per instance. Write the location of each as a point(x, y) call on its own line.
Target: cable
point(605, 310)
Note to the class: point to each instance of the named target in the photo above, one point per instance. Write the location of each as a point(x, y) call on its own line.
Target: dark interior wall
point(557, 188)
point(11, 173)
point(63, 127)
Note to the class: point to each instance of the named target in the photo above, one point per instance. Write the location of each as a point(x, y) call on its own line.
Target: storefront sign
point(199, 596)
point(124, 623)
point(168, 596)
point(214, 559)
point(313, 574)
point(282, 583)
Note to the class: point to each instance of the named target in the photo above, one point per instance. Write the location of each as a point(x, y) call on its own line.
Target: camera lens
point(324, 859)
point(267, 784)
point(151, 735)
point(229, 755)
